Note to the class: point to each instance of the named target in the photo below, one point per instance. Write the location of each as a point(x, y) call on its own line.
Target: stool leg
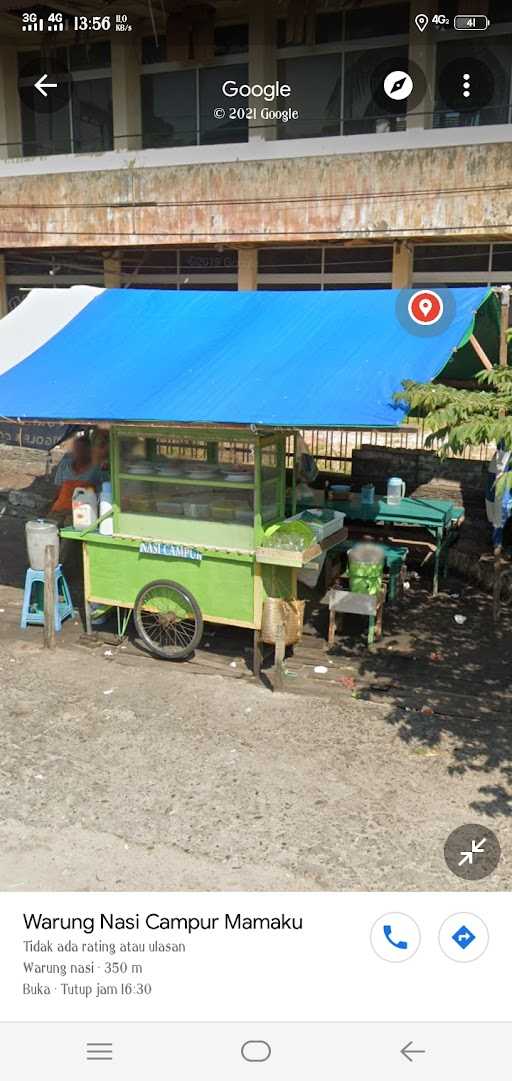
point(331, 636)
point(371, 630)
point(257, 654)
point(26, 601)
point(401, 580)
point(57, 618)
point(380, 613)
point(65, 591)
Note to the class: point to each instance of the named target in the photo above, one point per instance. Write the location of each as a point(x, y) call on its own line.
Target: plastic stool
point(33, 598)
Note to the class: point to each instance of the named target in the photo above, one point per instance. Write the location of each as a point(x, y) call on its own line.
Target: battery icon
point(471, 22)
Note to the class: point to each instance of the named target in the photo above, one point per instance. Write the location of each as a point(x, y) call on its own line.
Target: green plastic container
point(365, 568)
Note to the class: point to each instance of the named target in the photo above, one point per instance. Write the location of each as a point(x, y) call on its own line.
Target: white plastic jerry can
point(85, 508)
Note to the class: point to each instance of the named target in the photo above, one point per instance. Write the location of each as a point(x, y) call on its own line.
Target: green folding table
point(438, 517)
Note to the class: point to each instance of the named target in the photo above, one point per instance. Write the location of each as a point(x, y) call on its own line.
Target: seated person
point(75, 470)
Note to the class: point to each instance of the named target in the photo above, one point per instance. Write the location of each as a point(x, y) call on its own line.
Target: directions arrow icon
point(41, 85)
point(409, 1050)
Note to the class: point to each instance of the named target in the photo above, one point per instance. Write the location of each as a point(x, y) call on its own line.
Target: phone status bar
point(460, 22)
point(56, 22)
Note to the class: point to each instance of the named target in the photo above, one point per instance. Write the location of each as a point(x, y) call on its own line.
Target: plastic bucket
point(365, 568)
point(38, 535)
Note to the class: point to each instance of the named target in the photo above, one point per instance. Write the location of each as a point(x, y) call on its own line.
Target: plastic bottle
point(106, 527)
point(395, 491)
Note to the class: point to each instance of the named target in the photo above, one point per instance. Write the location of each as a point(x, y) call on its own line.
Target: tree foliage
point(462, 418)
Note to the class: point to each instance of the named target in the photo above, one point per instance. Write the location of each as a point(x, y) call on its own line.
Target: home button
point(256, 1051)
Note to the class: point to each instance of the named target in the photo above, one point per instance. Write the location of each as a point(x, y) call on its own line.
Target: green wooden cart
point(190, 509)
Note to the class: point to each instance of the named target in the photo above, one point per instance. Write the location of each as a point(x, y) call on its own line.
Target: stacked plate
point(239, 477)
point(142, 468)
point(169, 470)
point(204, 473)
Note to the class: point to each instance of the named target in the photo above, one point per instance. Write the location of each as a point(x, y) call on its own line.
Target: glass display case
point(200, 485)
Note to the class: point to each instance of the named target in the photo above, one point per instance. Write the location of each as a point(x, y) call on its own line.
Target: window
point(183, 268)
point(377, 260)
point(376, 22)
point(45, 133)
point(302, 30)
point(290, 260)
point(287, 287)
point(84, 121)
point(230, 40)
point(169, 109)
point(500, 11)
point(316, 93)
point(92, 54)
point(50, 270)
point(362, 113)
point(356, 285)
point(319, 267)
point(178, 107)
point(454, 258)
point(502, 257)
point(210, 96)
point(208, 261)
point(154, 50)
point(92, 115)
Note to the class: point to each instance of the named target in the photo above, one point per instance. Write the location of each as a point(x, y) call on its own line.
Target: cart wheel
point(168, 619)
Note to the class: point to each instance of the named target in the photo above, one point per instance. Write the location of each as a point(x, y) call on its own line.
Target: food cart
point(189, 541)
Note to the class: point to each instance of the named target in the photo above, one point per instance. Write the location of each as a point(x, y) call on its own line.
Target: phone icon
point(400, 945)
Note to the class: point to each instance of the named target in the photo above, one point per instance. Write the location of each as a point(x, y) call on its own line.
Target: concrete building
point(138, 180)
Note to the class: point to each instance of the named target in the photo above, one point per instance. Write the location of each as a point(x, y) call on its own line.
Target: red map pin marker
point(425, 307)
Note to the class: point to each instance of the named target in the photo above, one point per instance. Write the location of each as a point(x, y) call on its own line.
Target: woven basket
point(290, 613)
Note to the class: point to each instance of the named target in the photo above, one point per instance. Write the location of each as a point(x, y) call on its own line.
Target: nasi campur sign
point(177, 551)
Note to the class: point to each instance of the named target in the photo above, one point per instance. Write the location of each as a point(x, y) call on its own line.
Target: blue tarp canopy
point(305, 359)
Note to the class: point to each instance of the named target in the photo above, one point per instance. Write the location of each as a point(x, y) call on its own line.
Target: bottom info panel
point(255, 985)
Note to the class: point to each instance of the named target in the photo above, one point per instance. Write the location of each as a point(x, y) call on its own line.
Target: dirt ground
point(120, 772)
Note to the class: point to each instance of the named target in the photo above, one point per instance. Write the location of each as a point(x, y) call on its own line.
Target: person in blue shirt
point(75, 470)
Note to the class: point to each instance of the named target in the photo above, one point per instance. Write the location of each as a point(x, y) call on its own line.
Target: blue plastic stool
point(33, 598)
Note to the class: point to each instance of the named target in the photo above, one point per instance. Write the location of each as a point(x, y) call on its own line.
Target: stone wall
point(424, 473)
point(26, 486)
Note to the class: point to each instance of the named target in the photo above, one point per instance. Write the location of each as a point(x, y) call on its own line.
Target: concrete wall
point(436, 191)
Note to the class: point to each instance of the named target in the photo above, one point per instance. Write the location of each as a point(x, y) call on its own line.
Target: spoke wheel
point(168, 620)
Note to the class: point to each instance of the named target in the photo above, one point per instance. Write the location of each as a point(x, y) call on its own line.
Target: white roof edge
point(258, 150)
point(38, 318)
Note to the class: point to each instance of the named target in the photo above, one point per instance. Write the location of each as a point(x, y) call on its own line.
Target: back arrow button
point(42, 85)
point(408, 1051)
